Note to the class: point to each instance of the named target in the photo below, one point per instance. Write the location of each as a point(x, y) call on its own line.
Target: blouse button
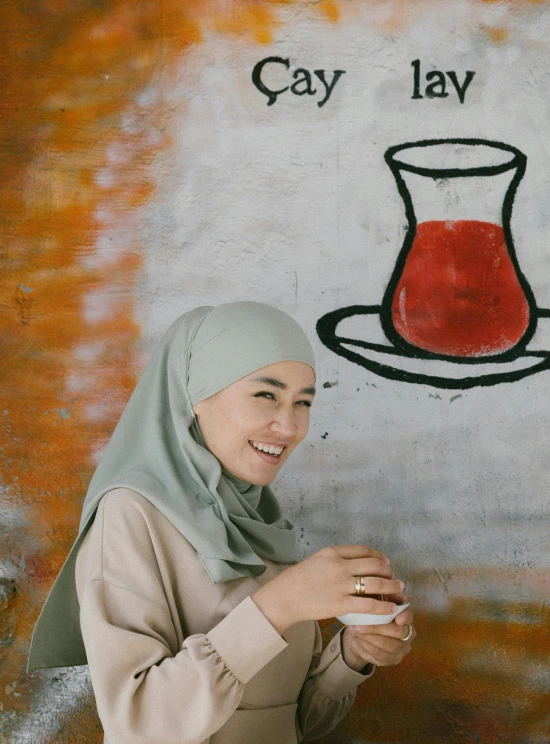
point(333, 648)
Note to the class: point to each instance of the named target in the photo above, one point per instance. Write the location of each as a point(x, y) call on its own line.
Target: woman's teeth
point(271, 449)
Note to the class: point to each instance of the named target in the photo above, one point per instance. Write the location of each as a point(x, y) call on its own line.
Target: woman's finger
point(351, 552)
point(394, 646)
point(390, 645)
point(397, 598)
point(369, 605)
point(384, 651)
point(376, 585)
point(406, 617)
point(389, 630)
point(369, 567)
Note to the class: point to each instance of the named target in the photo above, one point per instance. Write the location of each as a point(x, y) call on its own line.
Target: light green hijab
point(157, 450)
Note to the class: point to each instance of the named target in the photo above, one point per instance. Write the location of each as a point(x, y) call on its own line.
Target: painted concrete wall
point(144, 173)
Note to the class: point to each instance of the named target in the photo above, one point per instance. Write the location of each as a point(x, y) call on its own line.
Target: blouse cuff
point(246, 640)
point(337, 678)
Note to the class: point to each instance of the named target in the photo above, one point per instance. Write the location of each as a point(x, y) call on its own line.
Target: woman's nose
point(284, 423)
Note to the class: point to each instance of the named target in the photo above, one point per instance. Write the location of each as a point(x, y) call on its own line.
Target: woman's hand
point(381, 645)
point(323, 586)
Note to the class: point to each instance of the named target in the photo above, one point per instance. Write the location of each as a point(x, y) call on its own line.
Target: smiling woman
point(254, 425)
point(183, 591)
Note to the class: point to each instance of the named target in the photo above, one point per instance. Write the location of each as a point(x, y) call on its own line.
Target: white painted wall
point(293, 204)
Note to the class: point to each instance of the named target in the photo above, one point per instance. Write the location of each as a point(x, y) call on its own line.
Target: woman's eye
point(265, 394)
point(271, 396)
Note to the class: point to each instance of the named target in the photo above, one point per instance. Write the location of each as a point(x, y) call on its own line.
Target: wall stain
point(472, 661)
point(79, 139)
point(71, 72)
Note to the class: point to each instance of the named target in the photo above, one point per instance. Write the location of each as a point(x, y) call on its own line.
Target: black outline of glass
point(519, 162)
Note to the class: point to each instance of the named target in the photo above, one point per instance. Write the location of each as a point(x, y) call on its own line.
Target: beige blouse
point(177, 659)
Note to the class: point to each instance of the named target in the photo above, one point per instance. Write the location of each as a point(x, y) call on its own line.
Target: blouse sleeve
point(144, 693)
point(328, 691)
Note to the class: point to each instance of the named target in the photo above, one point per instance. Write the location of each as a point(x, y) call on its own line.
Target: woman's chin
point(258, 479)
point(263, 482)
point(251, 475)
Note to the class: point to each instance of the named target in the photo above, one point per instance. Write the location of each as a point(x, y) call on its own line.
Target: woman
point(183, 591)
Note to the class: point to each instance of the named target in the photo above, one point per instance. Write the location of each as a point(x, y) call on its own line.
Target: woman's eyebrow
point(282, 385)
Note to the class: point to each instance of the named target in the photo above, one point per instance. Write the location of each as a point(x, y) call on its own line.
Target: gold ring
point(360, 589)
point(409, 634)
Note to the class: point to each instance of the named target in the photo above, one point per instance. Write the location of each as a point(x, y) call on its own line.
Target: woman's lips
point(271, 459)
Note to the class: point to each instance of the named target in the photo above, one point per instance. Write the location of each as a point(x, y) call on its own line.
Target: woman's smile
point(270, 453)
point(272, 449)
point(275, 401)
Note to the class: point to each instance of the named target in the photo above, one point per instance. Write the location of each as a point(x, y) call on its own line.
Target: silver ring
point(409, 634)
point(360, 589)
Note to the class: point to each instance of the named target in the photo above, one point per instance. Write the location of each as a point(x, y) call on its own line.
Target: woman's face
point(269, 409)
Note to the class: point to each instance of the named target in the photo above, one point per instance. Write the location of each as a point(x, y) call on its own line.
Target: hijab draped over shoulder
point(157, 450)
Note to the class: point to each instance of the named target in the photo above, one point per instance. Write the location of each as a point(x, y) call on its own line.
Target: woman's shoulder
point(118, 534)
point(128, 516)
point(121, 502)
point(124, 498)
point(128, 543)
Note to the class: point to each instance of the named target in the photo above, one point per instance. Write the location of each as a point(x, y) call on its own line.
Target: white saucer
point(363, 618)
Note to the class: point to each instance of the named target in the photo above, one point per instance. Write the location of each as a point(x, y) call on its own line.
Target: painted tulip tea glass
point(457, 290)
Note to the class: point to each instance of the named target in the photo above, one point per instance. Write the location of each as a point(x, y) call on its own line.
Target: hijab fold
point(157, 449)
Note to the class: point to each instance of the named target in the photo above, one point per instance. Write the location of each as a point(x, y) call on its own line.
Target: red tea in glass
point(457, 290)
point(459, 294)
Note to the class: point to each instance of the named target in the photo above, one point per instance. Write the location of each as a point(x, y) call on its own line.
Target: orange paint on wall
point(330, 9)
point(75, 167)
point(248, 18)
point(70, 76)
point(476, 673)
point(498, 35)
